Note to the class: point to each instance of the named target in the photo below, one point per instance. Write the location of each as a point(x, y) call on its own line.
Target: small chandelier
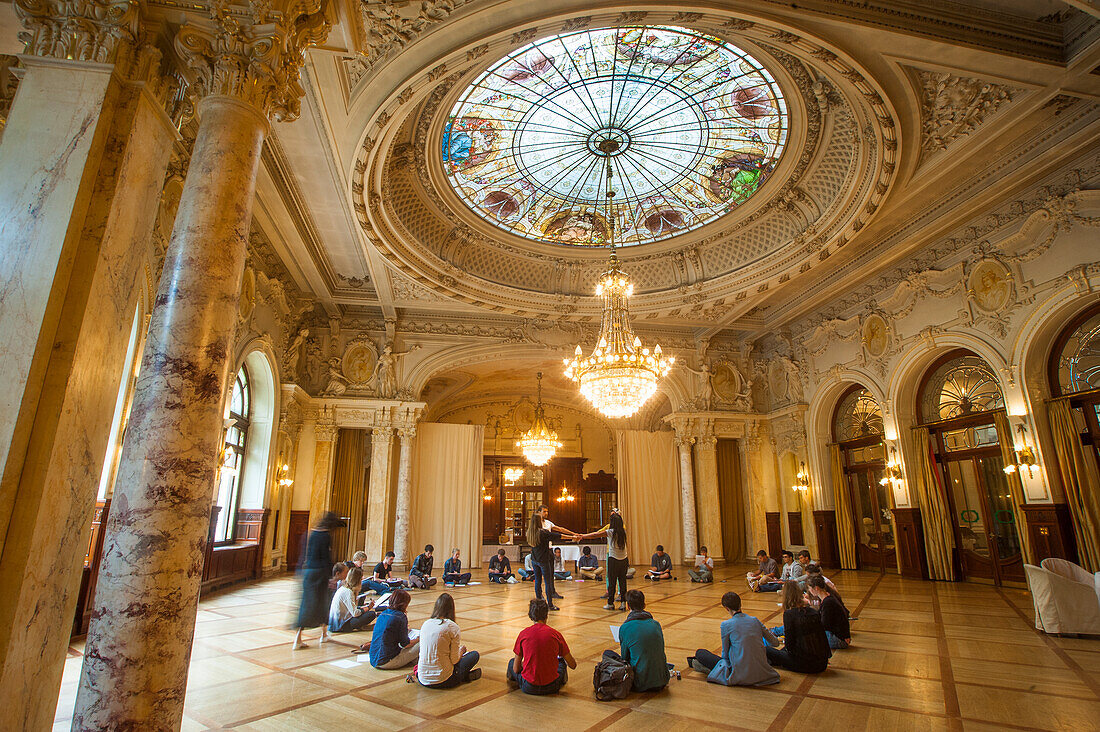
point(802, 480)
point(566, 496)
point(620, 375)
point(539, 443)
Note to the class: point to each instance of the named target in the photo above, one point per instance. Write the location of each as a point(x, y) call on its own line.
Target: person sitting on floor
point(704, 567)
point(344, 614)
point(339, 574)
point(500, 569)
point(834, 616)
point(806, 647)
point(766, 576)
point(798, 569)
point(744, 661)
point(560, 573)
point(527, 571)
point(380, 580)
point(452, 571)
point(444, 662)
point(787, 557)
point(541, 655)
point(391, 645)
point(643, 646)
point(420, 575)
point(588, 567)
point(660, 565)
point(815, 569)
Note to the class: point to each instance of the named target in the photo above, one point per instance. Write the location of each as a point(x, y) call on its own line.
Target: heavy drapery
point(845, 536)
point(349, 491)
point(1015, 485)
point(1081, 481)
point(939, 538)
point(446, 491)
point(649, 493)
point(731, 499)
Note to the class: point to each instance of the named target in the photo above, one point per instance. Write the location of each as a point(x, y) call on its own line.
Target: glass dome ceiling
point(692, 126)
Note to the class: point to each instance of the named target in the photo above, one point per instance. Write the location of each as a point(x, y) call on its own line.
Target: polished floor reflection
point(925, 656)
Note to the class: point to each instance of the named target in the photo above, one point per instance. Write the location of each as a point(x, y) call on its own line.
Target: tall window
point(232, 464)
point(1075, 372)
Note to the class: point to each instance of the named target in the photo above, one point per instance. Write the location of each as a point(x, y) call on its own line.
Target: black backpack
point(612, 679)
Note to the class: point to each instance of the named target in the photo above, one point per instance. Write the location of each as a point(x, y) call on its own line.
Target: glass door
point(985, 522)
point(874, 531)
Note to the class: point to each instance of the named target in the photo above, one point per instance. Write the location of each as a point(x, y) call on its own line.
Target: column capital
point(326, 431)
point(382, 434)
point(406, 433)
point(706, 442)
point(683, 439)
point(254, 55)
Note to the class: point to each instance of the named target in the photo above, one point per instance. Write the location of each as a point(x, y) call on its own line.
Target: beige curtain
point(731, 501)
point(939, 538)
point(845, 536)
point(1081, 481)
point(649, 493)
point(446, 491)
point(1015, 485)
point(349, 487)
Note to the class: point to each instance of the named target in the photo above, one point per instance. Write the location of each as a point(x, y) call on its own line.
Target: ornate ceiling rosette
point(453, 196)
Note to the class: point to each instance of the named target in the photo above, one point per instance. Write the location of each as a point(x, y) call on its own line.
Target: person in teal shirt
point(643, 646)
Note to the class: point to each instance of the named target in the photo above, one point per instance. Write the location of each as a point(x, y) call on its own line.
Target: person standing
point(540, 531)
point(314, 607)
point(617, 558)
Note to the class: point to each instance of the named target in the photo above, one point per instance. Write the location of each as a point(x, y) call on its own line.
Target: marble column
point(324, 457)
point(687, 496)
point(708, 504)
point(404, 498)
point(378, 499)
point(751, 460)
point(82, 165)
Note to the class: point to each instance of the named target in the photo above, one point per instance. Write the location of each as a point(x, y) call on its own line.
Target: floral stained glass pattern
point(857, 415)
point(961, 386)
point(1079, 361)
point(691, 125)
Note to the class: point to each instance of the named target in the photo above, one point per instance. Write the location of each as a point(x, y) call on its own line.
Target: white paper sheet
point(344, 663)
point(615, 632)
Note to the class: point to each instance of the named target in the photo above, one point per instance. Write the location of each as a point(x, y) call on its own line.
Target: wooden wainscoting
point(912, 561)
point(828, 555)
point(241, 560)
point(794, 528)
point(1050, 529)
point(774, 524)
point(296, 531)
point(90, 572)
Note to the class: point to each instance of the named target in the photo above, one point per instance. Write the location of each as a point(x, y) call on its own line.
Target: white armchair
point(1066, 597)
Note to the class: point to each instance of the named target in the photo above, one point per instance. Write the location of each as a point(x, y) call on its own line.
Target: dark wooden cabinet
point(828, 554)
point(1050, 531)
point(912, 561)
point(773, 522)
point(296, 531)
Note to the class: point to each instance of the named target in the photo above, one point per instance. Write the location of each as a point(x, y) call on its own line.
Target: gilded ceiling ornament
point(954, 106)
point(990, 285)
point(389, 26)
point(257, 60)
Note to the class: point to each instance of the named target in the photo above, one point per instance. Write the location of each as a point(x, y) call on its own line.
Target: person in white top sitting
point(444, 662)
point(704, 567)
point(344, 613)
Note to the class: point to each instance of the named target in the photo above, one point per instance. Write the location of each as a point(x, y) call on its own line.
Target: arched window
point(857, 415)
point(1074, 372)
point(232, 464)
point(960, 404)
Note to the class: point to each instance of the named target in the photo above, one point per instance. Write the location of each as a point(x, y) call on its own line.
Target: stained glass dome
point(692, 126)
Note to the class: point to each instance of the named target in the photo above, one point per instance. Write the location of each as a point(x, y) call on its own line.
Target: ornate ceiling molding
point(955, 106)
point(830, 182)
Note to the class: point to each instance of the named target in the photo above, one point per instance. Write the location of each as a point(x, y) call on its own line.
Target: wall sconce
point(1025, 457)
point(802, 480)
point(893, 474)
point(485, 494)
point(284, 479)
point(565, 495)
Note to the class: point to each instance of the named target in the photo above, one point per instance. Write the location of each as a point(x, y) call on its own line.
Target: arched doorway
point(858, 435)
point(960, 404)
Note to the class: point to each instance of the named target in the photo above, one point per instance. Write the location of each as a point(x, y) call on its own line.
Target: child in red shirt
point(542, 655)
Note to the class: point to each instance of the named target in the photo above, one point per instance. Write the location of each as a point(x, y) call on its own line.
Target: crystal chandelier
point(539, 443)
point(620, 375)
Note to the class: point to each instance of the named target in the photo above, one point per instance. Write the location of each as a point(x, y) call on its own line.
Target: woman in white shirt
point(344, 614)
point(444, 661)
